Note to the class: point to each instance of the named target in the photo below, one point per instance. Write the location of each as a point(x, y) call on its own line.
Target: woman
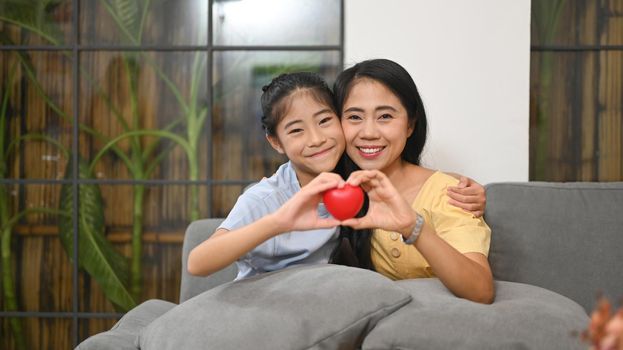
point(384, 125)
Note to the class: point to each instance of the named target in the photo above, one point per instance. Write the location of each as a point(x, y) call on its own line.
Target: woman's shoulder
point(434, 188)
point(432, 178)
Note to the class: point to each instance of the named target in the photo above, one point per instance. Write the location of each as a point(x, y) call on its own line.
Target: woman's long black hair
point(398, 80)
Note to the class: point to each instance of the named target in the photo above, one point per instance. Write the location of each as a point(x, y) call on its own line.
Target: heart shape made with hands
point(343, 203)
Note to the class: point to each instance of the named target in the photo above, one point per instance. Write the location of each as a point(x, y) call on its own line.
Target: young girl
point(418, 233)
point(281, 221)
point(263, 232)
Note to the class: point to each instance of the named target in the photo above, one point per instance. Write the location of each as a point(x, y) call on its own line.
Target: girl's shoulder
point(281, 185)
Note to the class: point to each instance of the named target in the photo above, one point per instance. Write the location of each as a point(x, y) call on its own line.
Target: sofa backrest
point(197, 232)
point(565, 237)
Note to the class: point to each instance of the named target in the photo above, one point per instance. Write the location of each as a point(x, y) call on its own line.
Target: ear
point(411, 128)
point(274, 143)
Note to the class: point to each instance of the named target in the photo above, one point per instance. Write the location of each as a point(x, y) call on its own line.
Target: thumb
point(356, 223)
point(463, 182)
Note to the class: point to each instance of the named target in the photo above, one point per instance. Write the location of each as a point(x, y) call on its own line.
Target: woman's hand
point(468, 195)
point(387, 209)
point(300, 212)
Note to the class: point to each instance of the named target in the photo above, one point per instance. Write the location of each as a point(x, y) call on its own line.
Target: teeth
point(370, 150)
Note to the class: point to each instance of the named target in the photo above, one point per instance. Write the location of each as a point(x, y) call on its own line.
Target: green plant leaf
point(128, 13)
point(35, 16)
point(96, 254)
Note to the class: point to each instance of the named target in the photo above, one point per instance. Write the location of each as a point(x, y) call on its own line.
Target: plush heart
point(343, 203)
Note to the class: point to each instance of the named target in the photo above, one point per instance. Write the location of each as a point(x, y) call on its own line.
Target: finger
point(461, 198)
point(357, 223)
point(351, 222)
point(462, 205)
point(358, 177)
point(321, 186)
point(474, 213)
point(471, 190)
point(329, 177)
point(478, 213)
point(463, 182)
point(328, 223)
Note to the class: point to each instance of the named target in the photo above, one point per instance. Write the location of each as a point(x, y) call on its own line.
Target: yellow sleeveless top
point(396, 260)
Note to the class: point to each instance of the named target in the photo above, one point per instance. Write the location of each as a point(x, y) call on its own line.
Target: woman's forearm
point(466, 277)
point(225, 247)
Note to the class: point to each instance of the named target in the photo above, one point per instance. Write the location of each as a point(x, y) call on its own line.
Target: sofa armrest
point(565, 237)
point(197, 232)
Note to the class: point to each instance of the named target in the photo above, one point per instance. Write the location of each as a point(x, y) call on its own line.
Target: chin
point(365, 164)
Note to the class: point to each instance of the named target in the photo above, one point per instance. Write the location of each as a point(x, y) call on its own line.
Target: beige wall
point(471, 63)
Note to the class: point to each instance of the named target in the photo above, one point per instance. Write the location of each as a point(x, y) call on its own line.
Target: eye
point(325, 120)
point(386, 116)
point(353, 117)
point(295, 131)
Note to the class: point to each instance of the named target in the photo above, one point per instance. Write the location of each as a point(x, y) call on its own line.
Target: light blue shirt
point(286, 249)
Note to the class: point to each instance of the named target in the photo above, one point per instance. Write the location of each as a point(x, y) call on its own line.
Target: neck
point(396, 170)
point(302, 177)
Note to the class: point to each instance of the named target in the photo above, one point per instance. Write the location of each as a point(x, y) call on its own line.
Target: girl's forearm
point(225, 247)
point(463, 276)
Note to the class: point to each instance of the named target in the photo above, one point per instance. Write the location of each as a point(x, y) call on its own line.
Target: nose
point(316, 138)
point(369, 129)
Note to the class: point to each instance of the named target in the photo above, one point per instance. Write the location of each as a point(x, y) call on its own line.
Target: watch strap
point(415, 233)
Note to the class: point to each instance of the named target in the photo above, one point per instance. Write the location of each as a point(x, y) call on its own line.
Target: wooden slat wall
point(579, 96)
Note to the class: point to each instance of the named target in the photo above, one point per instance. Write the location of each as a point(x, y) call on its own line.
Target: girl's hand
point(300, 212)
point(468, 195)
point(387, 208)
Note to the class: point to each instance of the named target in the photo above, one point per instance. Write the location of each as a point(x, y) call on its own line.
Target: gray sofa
point(554, 247)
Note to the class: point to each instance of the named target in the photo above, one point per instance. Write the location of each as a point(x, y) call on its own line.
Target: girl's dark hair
point(274, 97)
point(398, 80)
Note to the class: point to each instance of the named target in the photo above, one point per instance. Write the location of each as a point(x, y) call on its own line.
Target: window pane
point(164, 22)
point(40, 270)
point(34, 23)
point(239, 147)
point(576, 111)
point(37, 333)
point(577, 22)
point(224, 198)
point(37, 118)
point(276, 22)
point(164, 214)
point(162, 94)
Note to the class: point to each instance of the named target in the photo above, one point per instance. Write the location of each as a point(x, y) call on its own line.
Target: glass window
point(163, 22)
point(276, 22)
point(165, 126)
point(240, 150)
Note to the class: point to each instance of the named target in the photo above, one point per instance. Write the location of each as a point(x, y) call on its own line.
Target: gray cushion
point(123, 334)
point(197, 232)
point(565, 237)
point(522, 317)
point(304, 307)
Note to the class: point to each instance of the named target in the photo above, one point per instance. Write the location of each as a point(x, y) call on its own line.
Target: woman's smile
point(370, 152)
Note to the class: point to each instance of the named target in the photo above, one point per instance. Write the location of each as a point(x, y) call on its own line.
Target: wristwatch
point(419, 222)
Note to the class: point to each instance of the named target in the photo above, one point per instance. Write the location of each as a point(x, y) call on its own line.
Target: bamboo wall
point(577, 96)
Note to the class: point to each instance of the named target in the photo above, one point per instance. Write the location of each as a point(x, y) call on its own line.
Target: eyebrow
point(379, 108)
point(322, 111)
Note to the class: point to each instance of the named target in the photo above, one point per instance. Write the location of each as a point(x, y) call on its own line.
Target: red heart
point(343, 203)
